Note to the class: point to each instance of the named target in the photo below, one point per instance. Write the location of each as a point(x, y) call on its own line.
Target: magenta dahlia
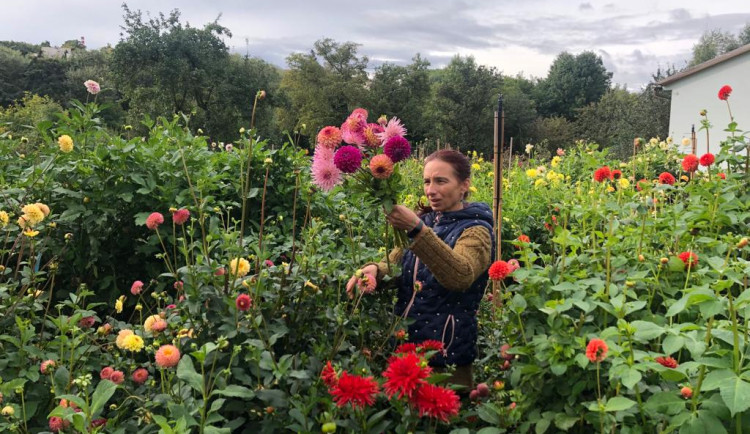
point(397, 148)
point(348, 159)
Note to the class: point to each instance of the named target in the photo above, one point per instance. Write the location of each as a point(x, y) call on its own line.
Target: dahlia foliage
point(364, 154)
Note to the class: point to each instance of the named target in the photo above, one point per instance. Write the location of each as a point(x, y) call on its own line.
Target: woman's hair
point(461, 168)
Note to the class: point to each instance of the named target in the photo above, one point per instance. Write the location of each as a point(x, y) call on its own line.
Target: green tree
point(12, 67)
point(322, 87)
point(711, 44)
point(573, 82)
point(47, 76)
point(519, 107)
point(463, 104)
point(403, 91)
point(163, 67)
point(744, 36)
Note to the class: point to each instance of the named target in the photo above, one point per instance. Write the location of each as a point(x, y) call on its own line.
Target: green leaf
point(645, 330)
point(186, 372)
point(631, 377)
point(717, 379)
point(618, 403)
point(565, 422)
point(518, 303)
point(664, 403)
point(736, 395)
point(163, 424)
point(703, 423)
point(672, 344)
point(489, 413)
point(490, 430)
point(104, 390)
point(677, 306)
point(235, 391)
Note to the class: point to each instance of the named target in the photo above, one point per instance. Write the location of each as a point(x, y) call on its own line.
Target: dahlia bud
point(664, 261)
point(641, 258)
point(743, 242)
point(261, 94)
point(703, 112)
point(499, 385)
point(686, 392)
point(483, 389)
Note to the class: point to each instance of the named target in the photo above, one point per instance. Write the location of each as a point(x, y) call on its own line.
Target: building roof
point(705, 65)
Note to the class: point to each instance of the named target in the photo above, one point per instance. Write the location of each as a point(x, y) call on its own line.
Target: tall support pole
point(497, 201)
point(693, 140)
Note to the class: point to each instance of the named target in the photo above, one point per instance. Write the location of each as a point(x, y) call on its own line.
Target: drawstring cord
point(451, 320)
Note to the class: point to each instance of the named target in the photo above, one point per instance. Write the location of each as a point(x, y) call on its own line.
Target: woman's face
point(442, 188)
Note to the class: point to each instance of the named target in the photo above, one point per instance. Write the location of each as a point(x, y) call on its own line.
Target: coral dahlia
point(353, 128)
point(154, 220)
point(136, 287)
point(167, 356)
point(371, 134)
point(329, 137)
point(181, 216)
point(667, 362)
point(596, 350)
point(355, 390)
point(47, 366)
point(140, 375)
point(499, 270)
point(381, 166)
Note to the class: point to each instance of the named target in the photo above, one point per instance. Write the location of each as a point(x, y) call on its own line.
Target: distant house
point(697, 88)
point(55, 52)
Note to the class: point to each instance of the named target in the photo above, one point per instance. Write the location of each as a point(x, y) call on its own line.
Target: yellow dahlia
point(132, 343)
point(4, 219)
point(239, 267)
point(120, 341)
point(148, 325)
point(33, 214)
point(66, 143)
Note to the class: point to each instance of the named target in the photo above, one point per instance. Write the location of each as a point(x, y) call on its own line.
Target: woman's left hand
point(403, 218)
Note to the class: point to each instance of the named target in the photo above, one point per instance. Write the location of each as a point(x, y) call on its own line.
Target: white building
point(697, 88)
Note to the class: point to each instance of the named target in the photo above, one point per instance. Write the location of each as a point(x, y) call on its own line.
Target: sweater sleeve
point(456, 269)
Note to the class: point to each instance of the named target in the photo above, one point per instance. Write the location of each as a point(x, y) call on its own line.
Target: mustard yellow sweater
point(457, 268)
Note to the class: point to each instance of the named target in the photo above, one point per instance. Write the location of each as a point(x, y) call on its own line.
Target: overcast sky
point(633, 37)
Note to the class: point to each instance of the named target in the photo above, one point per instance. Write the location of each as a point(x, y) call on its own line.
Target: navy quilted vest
point(437, 313)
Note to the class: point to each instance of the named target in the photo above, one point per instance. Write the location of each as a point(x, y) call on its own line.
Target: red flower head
point(328, 375)
point(524, 238)
point(348, 159)
point(667, 362)
point(56, 424)
point(243, 302)
point(602, 173)
point(140, 375)
point(180, 216)
point(355, 390)
point(499, 270)
point(721, 175)
point(397, 148)
point(400, 334)
point(616, 174)
point(430, 345)
point(154, 220)
point(690, 163)
point(707, 159)
point(405, 374)
point(436, 402)
point(666, 178)
point(405, 348)
point(689, 258)
point(596, 350)
point(724, 92)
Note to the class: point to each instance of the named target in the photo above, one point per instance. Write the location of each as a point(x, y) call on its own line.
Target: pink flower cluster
point(382, 142)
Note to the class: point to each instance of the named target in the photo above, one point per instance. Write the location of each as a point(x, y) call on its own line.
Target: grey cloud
point(584, 6)
point(680, 14)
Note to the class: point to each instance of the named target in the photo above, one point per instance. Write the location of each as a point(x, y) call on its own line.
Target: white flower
point(529, 147)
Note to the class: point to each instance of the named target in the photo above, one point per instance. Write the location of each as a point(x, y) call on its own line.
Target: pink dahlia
point(56, 424)
point(140, 375)
point(325, 174)
point(92, 87)
point(47, 366)
point(393, 128)
point(371, 135)
point(106, 372)
point(136, 287)
point(243, 302)
point(348, 159)
point(353, 128)
point(397, 148)
point(167, 356)
point(117, 377)
point(329, 137)
point(154, 220)
point(181, 216)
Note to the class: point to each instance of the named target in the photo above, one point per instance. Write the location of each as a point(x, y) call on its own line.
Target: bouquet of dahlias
point(368, 153)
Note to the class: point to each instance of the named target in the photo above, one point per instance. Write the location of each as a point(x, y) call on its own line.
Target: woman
point(444, 269)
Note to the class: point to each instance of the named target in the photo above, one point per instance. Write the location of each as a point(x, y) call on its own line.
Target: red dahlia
point(707, 159)
point(616, 174)
point(724, 92)
point(721, 175)
point(602, 173)
point(436, 402)
point(499, 270)
point(524, 238)
point(405, 374)
point(666, 178)
point(689, 258)
point(690, 163)
point(430, 345)
point(596, 350)
point(668, 362)
point(407, 347)
point(355, 390)
point(328, 375)
point(243, 302)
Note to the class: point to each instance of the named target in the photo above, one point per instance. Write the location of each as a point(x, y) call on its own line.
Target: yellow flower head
point(33, 214)
point(623, 182)
point(120, 341)
point(148, 324)
point(4, 219)
point(555, 161)
point(239, 267)
point(531, 173)
point(119, 304)
point(540, 183)
point(44, 208)
point(185, 333)
point(66, 143)
point(132, 343)
point(30, 232)
point(8, 411)
point(685, 142)
point(610, 188)
point(476, 166)
point(473, 189)
point(491, 174)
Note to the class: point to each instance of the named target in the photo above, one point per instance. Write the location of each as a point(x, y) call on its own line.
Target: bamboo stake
point(510, 155)
point(693, 140)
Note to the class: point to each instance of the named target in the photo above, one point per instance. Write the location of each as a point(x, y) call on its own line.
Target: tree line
point(162, 67)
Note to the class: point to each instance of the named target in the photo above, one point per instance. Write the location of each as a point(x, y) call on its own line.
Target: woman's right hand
point(371, 270)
